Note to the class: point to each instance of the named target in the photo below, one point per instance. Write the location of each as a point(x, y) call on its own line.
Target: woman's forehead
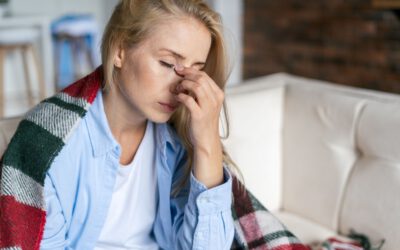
point(183, 40)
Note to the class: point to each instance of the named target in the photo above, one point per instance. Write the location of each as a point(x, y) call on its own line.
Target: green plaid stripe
point(31, 150)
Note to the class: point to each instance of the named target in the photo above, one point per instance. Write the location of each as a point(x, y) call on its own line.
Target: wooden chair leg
point(2, 100)
point(25, 59)
point(39, 71)
point(75, 58)
point(89, 54)
point(57, 51)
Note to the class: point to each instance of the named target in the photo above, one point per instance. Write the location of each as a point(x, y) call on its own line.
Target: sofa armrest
point(255, 111)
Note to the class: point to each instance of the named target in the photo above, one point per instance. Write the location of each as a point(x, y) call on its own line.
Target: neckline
point(127, 167)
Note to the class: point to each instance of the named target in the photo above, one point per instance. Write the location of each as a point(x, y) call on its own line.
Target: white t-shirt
point(134, 202)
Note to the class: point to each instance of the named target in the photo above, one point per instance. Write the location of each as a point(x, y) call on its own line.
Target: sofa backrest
point(371, 203)
point(319, 150)
point(339, 152)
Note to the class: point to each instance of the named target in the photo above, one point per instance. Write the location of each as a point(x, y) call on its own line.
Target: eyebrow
point(176, 54)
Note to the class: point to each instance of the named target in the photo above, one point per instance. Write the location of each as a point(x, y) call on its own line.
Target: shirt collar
point(100, 134)
point(166, 135)
point(102, 139)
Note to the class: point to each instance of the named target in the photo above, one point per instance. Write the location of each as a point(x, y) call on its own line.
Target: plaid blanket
point(39, 138)
point(257, 228)
point(352, 241)
point(336, 244)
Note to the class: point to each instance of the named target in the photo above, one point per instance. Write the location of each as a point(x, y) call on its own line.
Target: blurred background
point(352, 42)
point(47, 44)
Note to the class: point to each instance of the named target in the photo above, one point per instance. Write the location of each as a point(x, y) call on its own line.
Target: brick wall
point(344, 41)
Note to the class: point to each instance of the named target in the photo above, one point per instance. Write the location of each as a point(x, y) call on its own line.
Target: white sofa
point(324, 158)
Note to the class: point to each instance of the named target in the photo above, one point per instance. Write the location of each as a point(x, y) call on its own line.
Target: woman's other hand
point(204, 99)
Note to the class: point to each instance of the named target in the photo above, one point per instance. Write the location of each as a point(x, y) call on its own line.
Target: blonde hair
point(133, 20)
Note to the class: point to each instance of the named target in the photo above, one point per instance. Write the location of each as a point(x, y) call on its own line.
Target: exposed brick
point(344, 41)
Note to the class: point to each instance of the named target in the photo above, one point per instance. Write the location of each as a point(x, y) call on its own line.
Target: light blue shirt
point(79, 184)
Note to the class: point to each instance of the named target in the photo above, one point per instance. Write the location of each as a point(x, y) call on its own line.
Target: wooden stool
point(74, 39)
point(78, 45)
point(21, 40)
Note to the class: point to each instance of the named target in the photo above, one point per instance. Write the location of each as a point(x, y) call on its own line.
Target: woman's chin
point(160, 117)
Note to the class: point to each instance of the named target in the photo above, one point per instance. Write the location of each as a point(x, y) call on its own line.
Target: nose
point(177, 79)
point(180, 67)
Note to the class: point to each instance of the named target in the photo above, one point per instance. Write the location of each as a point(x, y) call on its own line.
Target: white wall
point(56, 8)
point(231, 12)
point(108, 8)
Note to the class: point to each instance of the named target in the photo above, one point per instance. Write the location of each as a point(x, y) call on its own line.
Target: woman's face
point(145, 74)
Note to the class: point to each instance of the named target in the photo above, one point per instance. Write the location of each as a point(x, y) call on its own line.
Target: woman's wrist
point(207, 164)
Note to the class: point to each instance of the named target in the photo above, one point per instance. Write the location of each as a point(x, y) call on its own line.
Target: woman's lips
point(168, 107)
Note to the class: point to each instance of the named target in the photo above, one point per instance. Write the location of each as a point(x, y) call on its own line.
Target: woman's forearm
point(207, 163)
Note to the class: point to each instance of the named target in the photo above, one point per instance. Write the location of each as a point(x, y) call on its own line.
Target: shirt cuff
point(204, 201)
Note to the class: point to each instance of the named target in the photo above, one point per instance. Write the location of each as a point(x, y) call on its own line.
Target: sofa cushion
point(319, 149)
point(372, 204)
point(306, 230)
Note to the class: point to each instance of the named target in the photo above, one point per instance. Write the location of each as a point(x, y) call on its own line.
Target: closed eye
point(166, 64)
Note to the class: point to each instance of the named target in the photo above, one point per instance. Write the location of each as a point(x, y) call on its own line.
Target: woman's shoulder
point(76, 145)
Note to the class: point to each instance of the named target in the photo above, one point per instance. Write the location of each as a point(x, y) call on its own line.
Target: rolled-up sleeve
point(210, 201)
point(206, 222)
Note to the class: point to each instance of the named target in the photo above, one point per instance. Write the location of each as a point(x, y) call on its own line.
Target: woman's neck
point(124, 122)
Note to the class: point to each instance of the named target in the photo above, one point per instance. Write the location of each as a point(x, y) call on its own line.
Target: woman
point(129, 157)
point(163, 61)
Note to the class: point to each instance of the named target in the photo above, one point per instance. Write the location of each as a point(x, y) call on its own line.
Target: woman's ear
point(119, 57)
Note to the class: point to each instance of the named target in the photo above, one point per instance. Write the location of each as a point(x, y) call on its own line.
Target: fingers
point(201, 76)
point(199, 91)
point(189, 102)
point(200, 84)
point(197, 75)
